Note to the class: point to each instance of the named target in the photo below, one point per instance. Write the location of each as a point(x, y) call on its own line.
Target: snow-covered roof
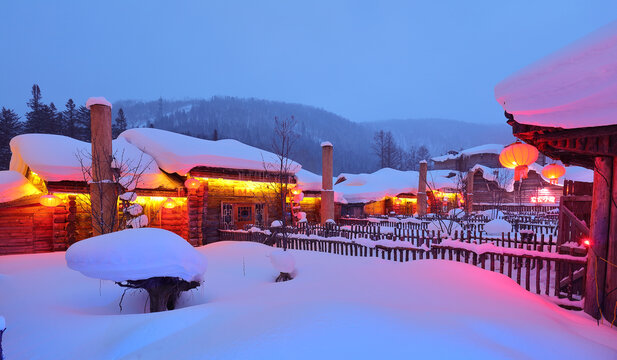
point(57, 158)
point(14, 185)
point(177, 153)
point(506, 176)
point(363, 188)
point(572, 88)
point(482, 149)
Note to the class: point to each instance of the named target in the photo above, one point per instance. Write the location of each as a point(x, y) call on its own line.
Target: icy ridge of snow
point(97, 100)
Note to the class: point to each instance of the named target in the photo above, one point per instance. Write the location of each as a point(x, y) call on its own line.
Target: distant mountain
point(252, 122)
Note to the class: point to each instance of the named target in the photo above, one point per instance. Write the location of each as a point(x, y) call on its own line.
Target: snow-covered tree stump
point(156, 260)
point(284, 263)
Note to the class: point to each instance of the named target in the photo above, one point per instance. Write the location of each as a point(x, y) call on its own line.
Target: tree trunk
point(162, 291)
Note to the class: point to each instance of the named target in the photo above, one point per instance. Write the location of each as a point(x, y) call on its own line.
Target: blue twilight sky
point(362, 60)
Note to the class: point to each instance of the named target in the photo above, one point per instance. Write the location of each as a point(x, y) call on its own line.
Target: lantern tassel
point(553, 181)
point(520, 172)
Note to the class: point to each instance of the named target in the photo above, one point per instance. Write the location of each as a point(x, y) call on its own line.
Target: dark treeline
point(251, 121)
point(391, 155)
point(72, 121)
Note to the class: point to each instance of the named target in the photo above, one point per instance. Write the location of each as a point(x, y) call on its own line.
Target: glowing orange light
point(296, 191)
point(587, 242)
point(553, 172)
point(192, 184)
point(518, 156)
point(169, 203)
point(50, 200)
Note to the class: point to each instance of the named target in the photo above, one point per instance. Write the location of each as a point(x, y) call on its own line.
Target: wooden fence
point(535, 271)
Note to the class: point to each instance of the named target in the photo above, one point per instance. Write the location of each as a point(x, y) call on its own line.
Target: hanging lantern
point(518, 156)
point(296, 191)
point(169, 203)
point(50, 200)
point(192, 184)
point(553, 172)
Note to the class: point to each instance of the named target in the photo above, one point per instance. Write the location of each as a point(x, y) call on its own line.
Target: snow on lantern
point(50, 200)
point(169, 203)
point(553, 172)
point(518, 156)
point(192, 184)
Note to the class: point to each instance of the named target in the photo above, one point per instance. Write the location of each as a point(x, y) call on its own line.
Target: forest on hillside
point(358, 147)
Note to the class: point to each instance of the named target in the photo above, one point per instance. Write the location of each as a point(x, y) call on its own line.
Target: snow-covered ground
point(335, 307)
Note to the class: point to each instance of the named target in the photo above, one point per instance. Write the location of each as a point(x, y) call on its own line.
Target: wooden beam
point(600, 212)
point(610, 288)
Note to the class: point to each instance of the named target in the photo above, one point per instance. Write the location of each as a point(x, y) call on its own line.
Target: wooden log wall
point(196, 209)
point(32, 228)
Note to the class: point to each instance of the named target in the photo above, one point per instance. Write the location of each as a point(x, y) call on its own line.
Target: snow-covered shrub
point(411, 220)
point(284, 263)
point(444, 226)
point(157, 260)
point(133, 212)
point(330, 221)
point(497, 227)
point(276, 223)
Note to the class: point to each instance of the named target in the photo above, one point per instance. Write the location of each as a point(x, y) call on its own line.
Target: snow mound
point(14, 185)
point(276, 223)
point(136, 254)
point(445, 226)
point(282, 261)
point(459, 213)
point(330, 221)
point(492, 214)
point(97, 100)
point(497, 227)
point(326, 143)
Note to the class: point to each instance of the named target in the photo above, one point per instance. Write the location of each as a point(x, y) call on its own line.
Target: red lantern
point(518, 156)
point(192, 184)
point(553, 172)
point(50, 200)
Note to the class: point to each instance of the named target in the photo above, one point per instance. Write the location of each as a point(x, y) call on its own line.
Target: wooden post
point(103, 191)
point(327, 194)
point(600, 206)
point(469, 188)
point(196, 205)
point(611, 271)
point(422, 199)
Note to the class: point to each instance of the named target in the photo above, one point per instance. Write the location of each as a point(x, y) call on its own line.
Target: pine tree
point(35, 118)
point(10, 126)
point(215, 135)
point(120, 124)
point(53, 123)
point(83, 124)
point(69, 120)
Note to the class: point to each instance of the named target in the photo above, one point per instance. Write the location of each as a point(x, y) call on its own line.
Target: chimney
point(422, 199)
point(103, 191)
point(469, 190)
point(327, 194)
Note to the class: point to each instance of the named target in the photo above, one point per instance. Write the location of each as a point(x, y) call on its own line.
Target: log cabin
point(566, 106)
point(235, 187)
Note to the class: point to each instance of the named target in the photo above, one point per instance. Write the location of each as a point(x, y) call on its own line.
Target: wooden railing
point(571, 229)
point(542, 272)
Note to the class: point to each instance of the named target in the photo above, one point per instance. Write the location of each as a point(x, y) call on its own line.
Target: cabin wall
point(29, 228)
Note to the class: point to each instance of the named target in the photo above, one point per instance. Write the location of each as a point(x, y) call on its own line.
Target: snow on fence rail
point(536, 271)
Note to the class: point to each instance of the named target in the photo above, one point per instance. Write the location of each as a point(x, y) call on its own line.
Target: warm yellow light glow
point(50, 200)
point(192, 184)
point(241, 187)
point(169, 203)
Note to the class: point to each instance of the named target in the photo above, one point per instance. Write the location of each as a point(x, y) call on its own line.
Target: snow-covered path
point(336, 307)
